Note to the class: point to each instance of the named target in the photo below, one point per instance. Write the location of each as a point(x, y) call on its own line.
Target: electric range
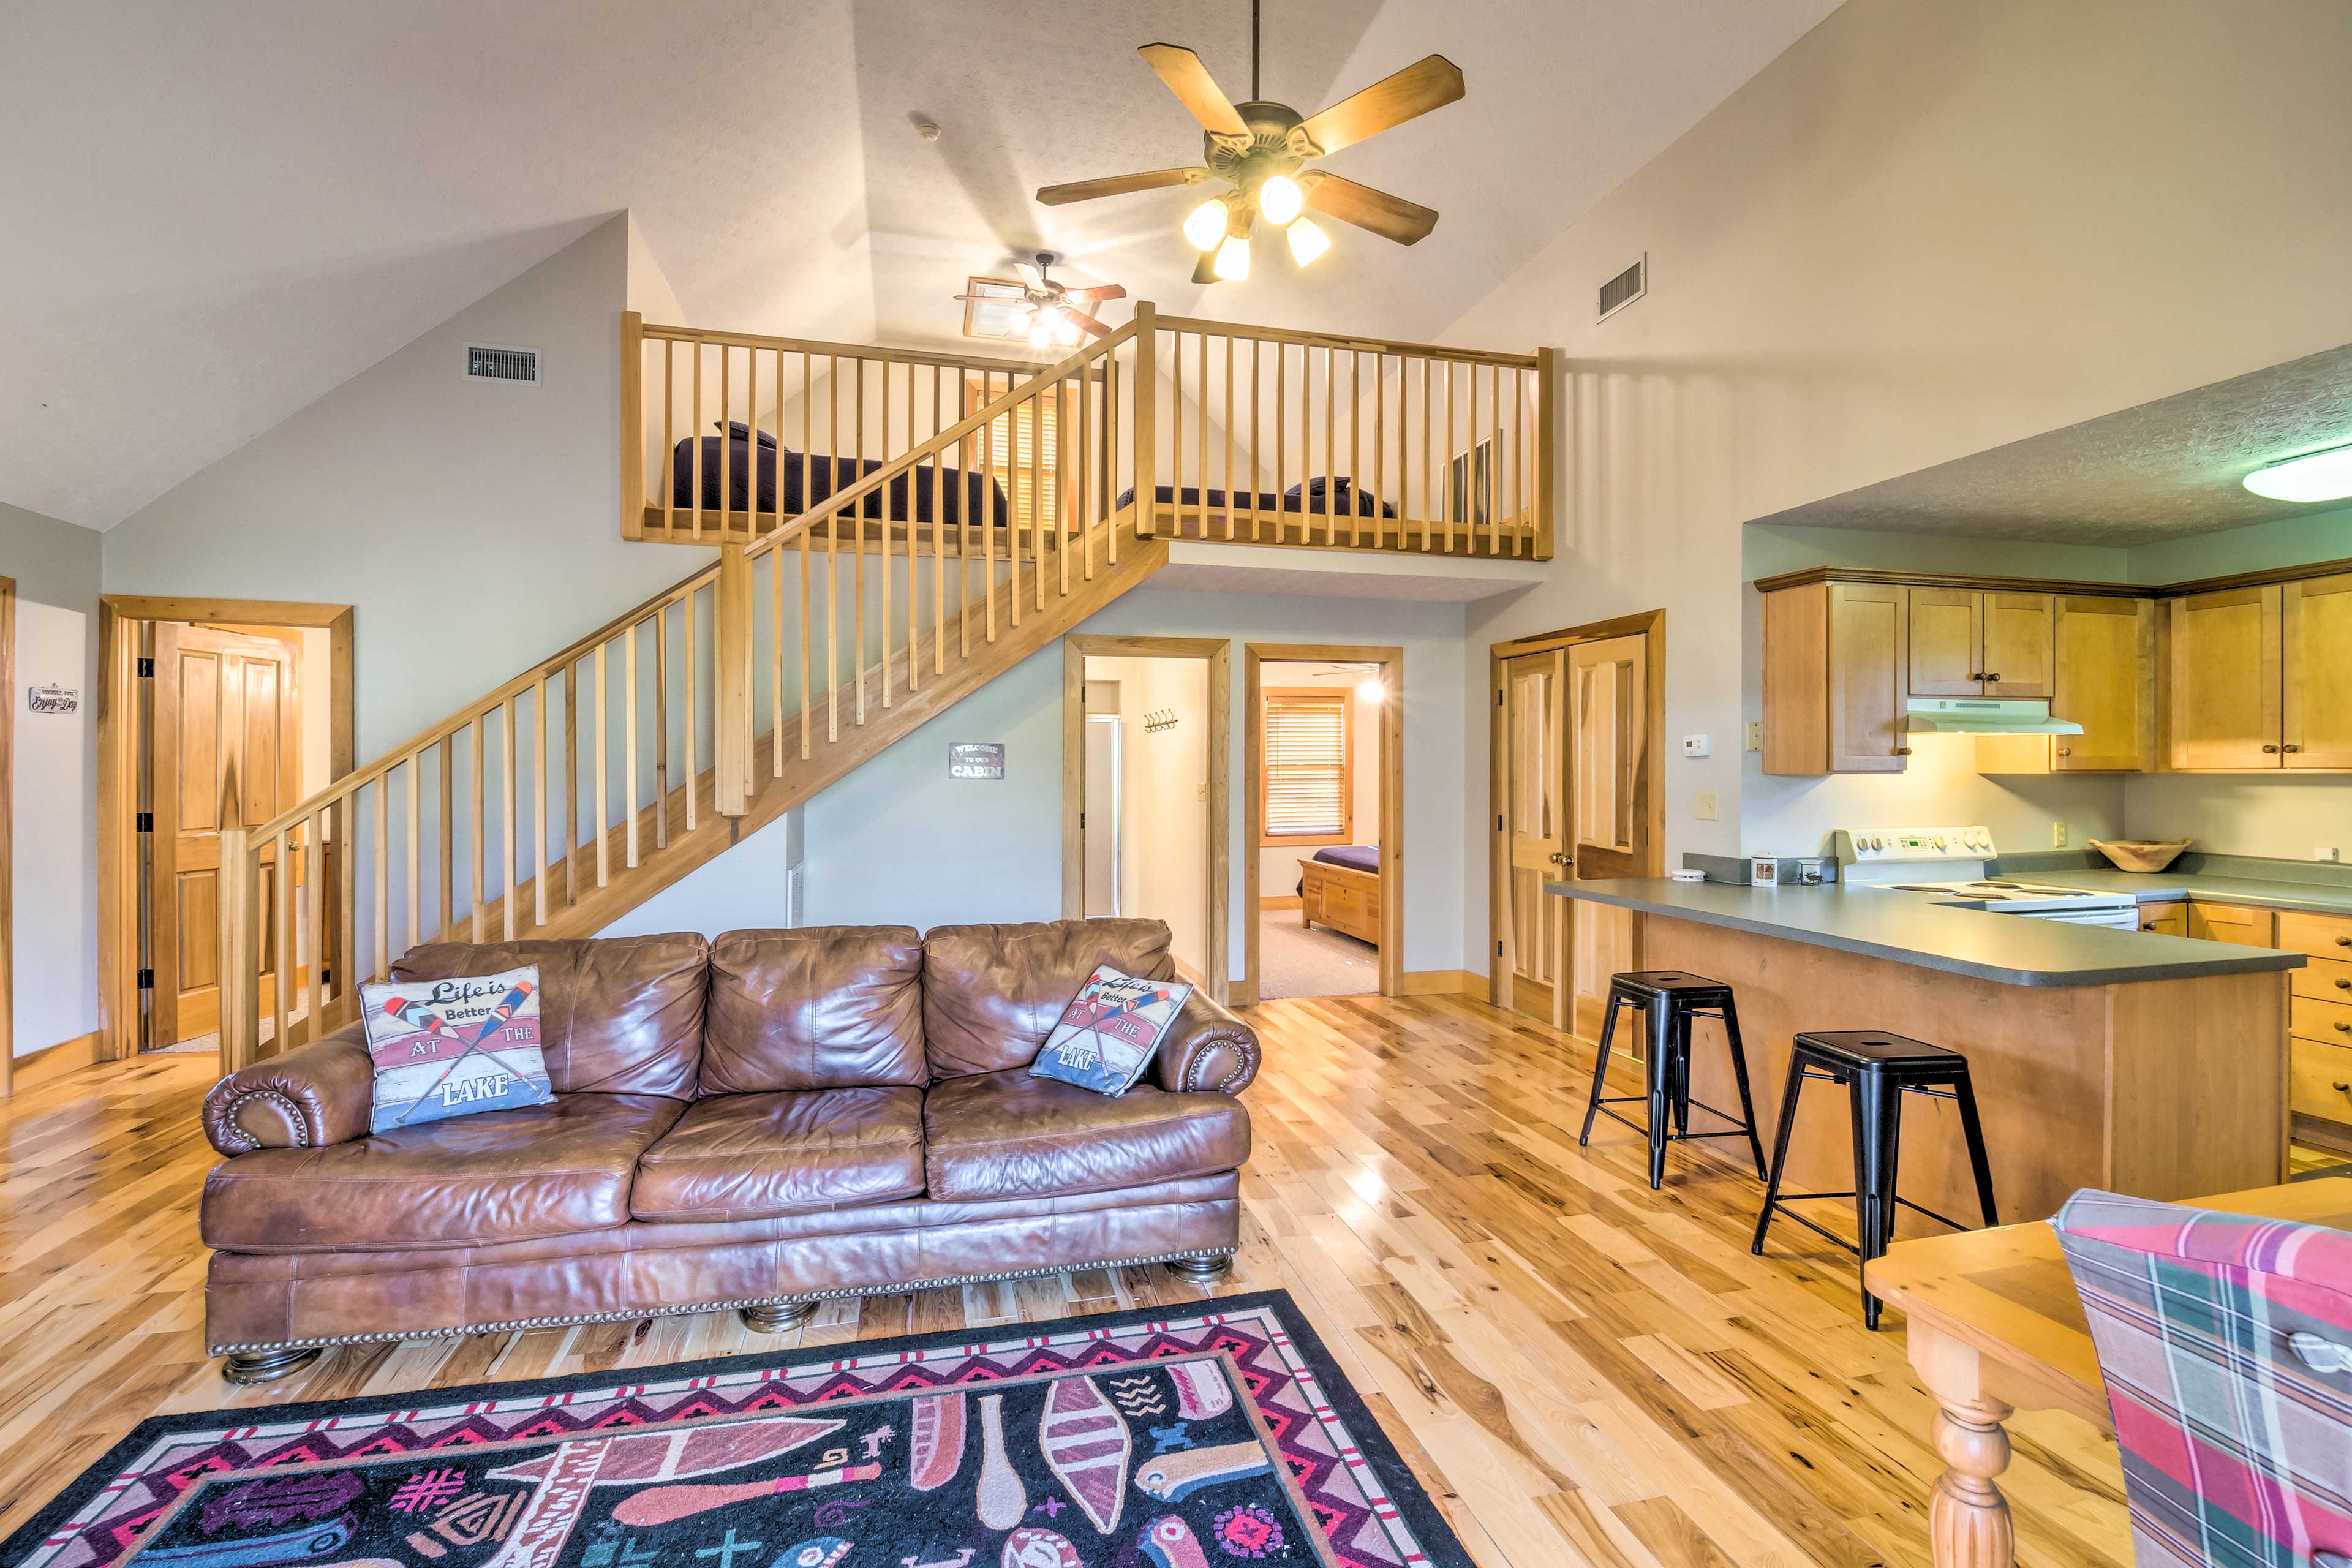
point(1902, 860)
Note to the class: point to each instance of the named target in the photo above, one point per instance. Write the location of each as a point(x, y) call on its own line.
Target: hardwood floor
point(1582, 1371)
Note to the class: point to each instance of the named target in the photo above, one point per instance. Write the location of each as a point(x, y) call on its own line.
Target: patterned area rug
point(1147, 1439)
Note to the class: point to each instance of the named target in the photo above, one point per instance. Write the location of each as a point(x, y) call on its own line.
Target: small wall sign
point(976, 759)
point(56, 700)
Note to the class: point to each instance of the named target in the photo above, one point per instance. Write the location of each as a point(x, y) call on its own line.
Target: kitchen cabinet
point(2319, 1025)
point(2239, 924)
point(2104, 681)
point(1968, 642)
point(2226, 693)
point(2315, 672)
point(1835, 657)
point(2165, 920)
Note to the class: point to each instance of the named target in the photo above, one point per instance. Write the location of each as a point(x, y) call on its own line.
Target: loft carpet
point(1155, 1438)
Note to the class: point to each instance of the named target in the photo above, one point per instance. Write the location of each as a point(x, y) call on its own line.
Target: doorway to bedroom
point(1322, 906)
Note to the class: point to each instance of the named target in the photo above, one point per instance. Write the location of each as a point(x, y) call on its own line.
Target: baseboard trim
point(55, 1061)
point(1445, 982)
point(1289, 903)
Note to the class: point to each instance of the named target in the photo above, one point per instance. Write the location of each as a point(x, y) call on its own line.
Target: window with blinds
point(1308, 786)
point(1023, 452)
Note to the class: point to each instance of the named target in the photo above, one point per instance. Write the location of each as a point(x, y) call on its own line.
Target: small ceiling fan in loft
point(1259, 152)
point(1033, 309)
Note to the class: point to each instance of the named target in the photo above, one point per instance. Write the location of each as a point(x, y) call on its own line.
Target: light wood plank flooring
point(1582, 1371)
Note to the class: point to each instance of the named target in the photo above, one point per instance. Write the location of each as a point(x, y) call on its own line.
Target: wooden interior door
point(226, 752)
point(1608, 812)
point(1535, 807)
point(2225, 679)
point(2318, 673)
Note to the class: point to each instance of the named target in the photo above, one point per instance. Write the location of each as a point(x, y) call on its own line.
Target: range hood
point(1984, 716)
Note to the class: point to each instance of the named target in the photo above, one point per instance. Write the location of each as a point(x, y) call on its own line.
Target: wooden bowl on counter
point(2141, 854)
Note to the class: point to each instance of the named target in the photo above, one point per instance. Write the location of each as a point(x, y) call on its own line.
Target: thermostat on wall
point(1697, 746)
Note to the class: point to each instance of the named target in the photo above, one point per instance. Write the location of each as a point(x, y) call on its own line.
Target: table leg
point(1969, 1523)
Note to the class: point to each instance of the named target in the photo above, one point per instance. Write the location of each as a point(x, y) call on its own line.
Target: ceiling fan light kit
point(1035, 308)
point(1258, 152)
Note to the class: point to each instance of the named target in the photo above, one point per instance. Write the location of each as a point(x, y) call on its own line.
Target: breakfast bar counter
point(2145, 1064)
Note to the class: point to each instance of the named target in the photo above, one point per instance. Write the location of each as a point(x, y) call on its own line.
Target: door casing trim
point(122, 759)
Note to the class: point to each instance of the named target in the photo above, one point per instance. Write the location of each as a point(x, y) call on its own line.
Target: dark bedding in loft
point(1310, 498)
point(959, 492)
point(1355, 857)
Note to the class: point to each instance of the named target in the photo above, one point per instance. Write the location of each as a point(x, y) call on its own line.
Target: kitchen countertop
point(2167, 885)
point(1907, 928)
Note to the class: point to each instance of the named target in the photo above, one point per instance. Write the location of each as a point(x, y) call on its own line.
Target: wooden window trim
point(1345, 697)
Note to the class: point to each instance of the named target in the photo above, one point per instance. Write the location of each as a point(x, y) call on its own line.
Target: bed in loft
point(1318, 497)
point(811, 478)
point(1340, 887)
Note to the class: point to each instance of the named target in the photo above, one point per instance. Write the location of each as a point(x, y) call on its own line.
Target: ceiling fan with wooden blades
point(1033, 309)
point(1255, 156)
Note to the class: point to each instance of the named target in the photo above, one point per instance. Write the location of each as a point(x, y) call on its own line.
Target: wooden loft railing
point(573, 790)
point(1234, 434)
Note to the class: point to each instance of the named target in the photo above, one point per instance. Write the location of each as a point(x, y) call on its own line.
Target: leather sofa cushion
point(819, 1007)
point(506, 1176)
point(992, 992)
point(759, 1156)
point(1009, 1135)
point(616, 1015)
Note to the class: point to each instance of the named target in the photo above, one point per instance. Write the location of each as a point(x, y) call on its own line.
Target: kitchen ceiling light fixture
point(2315, 476)
point(1260, 151)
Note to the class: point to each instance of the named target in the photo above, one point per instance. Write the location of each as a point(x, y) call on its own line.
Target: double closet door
point(1573, 797)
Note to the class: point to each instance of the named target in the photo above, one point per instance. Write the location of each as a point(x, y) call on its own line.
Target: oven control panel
point(1864, 846)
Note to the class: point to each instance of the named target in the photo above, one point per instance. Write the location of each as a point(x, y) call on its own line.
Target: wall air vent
point(486, 362)
point(1625, 288)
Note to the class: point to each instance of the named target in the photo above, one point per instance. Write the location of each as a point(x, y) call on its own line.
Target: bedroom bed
point(810, 478)
point(1340, 887)
point(1312, 499)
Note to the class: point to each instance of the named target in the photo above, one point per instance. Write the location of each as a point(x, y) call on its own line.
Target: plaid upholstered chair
point(2226, 1345)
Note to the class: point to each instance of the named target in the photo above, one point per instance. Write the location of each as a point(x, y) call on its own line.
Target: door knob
point(1561, 857)
point(2344, 985)
point(1994, 676)
point(2291, 747)
point(2065, 751)
point(1977, 674)
point(2343, 942)
point(2271, 751)
point(2342, 1027)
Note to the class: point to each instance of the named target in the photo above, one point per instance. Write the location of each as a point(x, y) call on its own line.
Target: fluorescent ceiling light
point(2315, 476)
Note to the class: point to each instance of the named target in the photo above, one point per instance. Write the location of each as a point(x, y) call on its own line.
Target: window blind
point(1014, 442)
point(1306, 775)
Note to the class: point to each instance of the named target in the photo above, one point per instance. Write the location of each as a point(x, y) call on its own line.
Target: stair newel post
point(1147, 388)
point(633, 424)
point(240, 956)
point(731, 603)
point(1546, 448)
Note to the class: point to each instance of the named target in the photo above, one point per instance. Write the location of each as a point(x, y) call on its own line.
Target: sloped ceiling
point(221, 212)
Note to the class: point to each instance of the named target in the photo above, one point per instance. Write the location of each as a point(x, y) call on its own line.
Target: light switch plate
point(2057, 836)
point(1705, 805)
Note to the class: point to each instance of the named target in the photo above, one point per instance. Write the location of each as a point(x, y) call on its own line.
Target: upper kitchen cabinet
point(2315, 673)
point(1836, 658)
point(2104, 681)
point(1968, 642)
point(2225, 679)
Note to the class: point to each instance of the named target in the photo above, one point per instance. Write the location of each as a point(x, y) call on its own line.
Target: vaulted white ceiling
point(220, 212)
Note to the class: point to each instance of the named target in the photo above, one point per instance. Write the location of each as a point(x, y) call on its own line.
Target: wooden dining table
point(1995, 1327)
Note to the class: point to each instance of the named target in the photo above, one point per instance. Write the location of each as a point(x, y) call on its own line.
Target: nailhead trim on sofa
point(293, 1114)
point(893, 1289)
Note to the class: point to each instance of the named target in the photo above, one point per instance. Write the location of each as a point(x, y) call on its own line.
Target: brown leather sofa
point(756, 1122)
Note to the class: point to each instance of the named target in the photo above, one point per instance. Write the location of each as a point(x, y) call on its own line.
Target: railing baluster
point(776, 661)
point(694, 446)
point(570, 783)
point(1380, 449)
point(1229, 434)
point(281, 939)
point(604, 769)
point(857, 560)
point(478, 841)
point(914, 572)
point(414, 931)
point(629, 739)
point(693, 751)
point(886, 525)
point(512, 860)
point(661, 717)
point(670, 440)
point(382, 868)
point(1256, 451)
point(939, 538)
point(725, 436)
point(1081, 462)
point(1202, 466)
point(984, 473)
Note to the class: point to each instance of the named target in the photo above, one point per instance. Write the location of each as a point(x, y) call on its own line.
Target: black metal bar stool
point(1669, 999)
point(1877, 1070)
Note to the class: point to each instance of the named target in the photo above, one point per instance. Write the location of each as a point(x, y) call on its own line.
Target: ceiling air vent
point(1625, 288)
point(485, 362)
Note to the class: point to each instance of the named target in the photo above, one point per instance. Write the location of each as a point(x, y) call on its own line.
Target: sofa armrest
point(313, 1095)
point(1206, 1048)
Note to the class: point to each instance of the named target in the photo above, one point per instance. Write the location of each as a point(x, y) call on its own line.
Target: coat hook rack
point(1158, 719)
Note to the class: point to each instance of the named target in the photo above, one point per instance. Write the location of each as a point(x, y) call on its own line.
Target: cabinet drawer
point(2165, 920)
point(2310, 1020)
point(2323, 980)
point(2320, 1080)
point(2321, 936)
point(2231, 923)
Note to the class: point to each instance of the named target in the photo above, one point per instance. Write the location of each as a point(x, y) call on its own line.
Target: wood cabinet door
point(2104, 681)
point(2317, 673)
point(2237, 923)
point(2165, 920)
point(2225, 705)
point(1869, 647)
point(2019, 643)
point(1947, 630)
